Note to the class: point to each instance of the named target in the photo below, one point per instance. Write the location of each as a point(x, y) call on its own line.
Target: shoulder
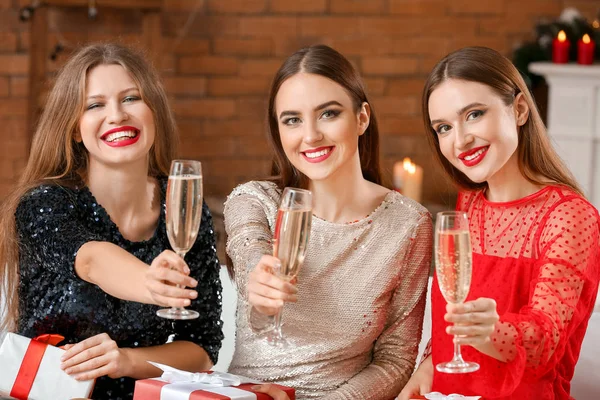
point(408, 207)
point(48, 195)
point(567, 208)
point(266, 192)
point(466, 198)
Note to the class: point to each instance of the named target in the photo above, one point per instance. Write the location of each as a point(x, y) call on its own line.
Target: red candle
point(585, 50)
point(560, 49)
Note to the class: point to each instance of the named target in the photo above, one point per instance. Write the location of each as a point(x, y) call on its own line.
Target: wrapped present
point(30, 369)
point(182, 385)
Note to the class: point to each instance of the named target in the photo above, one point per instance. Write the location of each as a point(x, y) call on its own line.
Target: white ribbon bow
point(453, 396)
point(214, 379)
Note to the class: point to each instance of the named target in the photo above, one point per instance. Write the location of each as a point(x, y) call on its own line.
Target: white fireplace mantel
point(574, 119)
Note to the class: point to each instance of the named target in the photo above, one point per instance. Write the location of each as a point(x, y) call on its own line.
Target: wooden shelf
point(144, 5)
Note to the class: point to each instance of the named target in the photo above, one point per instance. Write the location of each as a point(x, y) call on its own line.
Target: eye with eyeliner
point(331, 114)
point(475, 114)
point(291, 121)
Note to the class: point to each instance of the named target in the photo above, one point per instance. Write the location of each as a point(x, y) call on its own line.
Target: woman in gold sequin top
point(355, 313)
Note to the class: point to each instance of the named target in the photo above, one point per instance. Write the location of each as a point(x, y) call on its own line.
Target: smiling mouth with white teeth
point(119, 136)
point(475, 155)
point(317, 153)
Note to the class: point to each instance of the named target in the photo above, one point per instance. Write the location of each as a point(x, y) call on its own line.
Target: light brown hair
point(56, 157)
point(536, 156)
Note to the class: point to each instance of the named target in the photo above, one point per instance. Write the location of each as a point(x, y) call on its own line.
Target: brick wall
point(218, 73)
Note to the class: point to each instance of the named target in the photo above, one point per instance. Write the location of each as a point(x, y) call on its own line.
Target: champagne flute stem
point(182, 255)
point(277, 329)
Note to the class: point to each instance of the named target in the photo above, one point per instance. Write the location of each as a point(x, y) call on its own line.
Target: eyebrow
point(317, 108)
point(99, 96)
point(461, 111)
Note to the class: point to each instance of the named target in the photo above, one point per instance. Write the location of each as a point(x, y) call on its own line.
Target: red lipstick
point(474, 161)
point(316, 150)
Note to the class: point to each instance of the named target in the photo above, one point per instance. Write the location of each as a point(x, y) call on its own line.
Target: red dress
point(539, 258)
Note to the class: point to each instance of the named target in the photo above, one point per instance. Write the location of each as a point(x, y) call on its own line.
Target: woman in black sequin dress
point(83, 242)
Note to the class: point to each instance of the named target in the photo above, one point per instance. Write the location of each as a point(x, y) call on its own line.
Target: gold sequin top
point(361, 297)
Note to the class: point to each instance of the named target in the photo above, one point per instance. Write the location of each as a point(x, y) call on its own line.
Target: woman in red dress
point(535, 238)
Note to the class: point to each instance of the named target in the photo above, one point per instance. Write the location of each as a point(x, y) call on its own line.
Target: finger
point(271, 293)
point(473, 330)
point(471, 318)
point(173, 276)
point(173, 261)
point(95, 374)
point(84, 344)
point(482, 304)
point(275, 393)
point(166, 290)
point(66, 346)
point(471, 340)
point(84, 356)
point(170, 301)
point(89, 365)
point(274, 282)
point(264, 302)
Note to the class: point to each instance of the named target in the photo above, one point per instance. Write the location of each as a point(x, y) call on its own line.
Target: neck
point(122, 190)
point(340, 197)
point(509, 184)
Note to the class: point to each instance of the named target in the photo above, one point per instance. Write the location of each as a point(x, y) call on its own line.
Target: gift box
point(453, 396)
point(181, 385)
point(30, 370)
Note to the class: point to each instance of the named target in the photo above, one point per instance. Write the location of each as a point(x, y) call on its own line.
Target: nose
point(312, 134)
point(463, 138)
point(116, 114)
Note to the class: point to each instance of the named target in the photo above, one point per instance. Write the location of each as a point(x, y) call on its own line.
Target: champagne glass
point(184, 214)
point(292, 231)
point(453, 265)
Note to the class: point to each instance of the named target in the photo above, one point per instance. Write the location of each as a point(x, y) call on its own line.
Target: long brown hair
point(327, 62)
point(56, 157)
point(536, 156)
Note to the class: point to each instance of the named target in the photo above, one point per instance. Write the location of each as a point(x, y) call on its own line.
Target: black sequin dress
point(53, 222)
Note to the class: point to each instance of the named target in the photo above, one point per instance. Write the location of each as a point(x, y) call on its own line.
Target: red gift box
point(156, 389)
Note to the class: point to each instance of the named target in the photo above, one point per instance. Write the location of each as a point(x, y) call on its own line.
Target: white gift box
point(49, 381)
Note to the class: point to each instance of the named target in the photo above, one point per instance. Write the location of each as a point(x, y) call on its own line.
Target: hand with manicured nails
point(166, 271)
point(474, 322)
point(266, 291)
point(95, 357)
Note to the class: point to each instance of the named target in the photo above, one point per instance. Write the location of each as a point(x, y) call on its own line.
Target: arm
point(247, 224)
point(54, 238)
point(563, 291)
point(526, 344)
point(196, 343)
point(395, 350)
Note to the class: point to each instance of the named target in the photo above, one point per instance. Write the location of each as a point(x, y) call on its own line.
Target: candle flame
point(586, 39)
point(596, 24)
point(562, 36)
point(409, 166)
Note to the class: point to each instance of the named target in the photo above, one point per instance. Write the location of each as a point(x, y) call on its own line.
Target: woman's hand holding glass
point(267, 292)
point(166, 272)
point(474, 322)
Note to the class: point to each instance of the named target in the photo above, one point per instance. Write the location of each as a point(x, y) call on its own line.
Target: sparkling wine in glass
point(183, 215)
point(292, 231)
point(453, 266)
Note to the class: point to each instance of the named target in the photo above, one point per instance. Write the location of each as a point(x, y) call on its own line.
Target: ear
point(77, 137)
point(364, 117)
point(521, 109)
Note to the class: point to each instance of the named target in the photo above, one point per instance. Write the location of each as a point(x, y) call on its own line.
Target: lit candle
point(408, 179)
point(585, 50)
point(560, 48)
